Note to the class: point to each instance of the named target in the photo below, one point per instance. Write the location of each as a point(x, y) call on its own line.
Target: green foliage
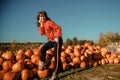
point(108, 38)
point(75, 41)
point(68, 42)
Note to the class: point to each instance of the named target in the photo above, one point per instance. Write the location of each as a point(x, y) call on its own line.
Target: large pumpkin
point(43, 73)
point(11, 76)
point(8, 55)
point(18, 66)
point(28, 53)
point(26, 74)
point(7, 65)
point(2, 73)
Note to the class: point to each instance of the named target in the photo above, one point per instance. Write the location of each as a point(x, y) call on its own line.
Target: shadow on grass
point(71, 71)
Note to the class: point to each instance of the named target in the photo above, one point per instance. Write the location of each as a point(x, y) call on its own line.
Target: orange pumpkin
point(44, 73)
point(18, 66)
point(35, 59)
point(11, 76)
point(102, 61)
point(36, 51)
point(76, 60)
point(116, 60)
point(7, 65)
point(1, 61)
point(87, 44)
point(29, 64)
point(8, 55)
point(26, 74)
point(20, 56)
point(65, 66)
point(82, 58)
point(50, 52)
point(77, 52)
point(63, 54)
point(93, 63)
point(82, 65)
point(113, 55)
point(63, 59)
point(111, 60)
point(68, 51)
point(28, 53)
point(2, 73)
point(21, 51)
point(78, 47)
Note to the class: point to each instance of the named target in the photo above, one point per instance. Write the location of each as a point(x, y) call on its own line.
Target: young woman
point(53, 33)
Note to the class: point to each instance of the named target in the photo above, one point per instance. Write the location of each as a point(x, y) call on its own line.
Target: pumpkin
point(89, 51)
point(35, 71)
point(106, 61)
point(8, 55)
point(71, 55)
point(76, 60)
point(77, 52)
point(29, 64)
point(113, 55)
point(20, 51)
point(111, 60)
point(93, 63)
point(68, 51)
point(82, 58)
point(52, 65)
point(108, 56)
point(28, 53)
point(20, 56)
point(102, 61)
point(65, 66)
point(104, 50)
point(82, 51)
point(97, 56)
point(1, 61)
point(63, 59)
point(116, 60)
point(26, 74)
point(70, 47)
point(63, 54)
point(50, 52)
point(90, 48)
point(82, 65)
point(2, 73)
point(43, 73)
point(87, 44)
point(36, 51)
point(35, 59)
point(77, 46)
point(11, 76)
point(7, 65)
point(18, 66)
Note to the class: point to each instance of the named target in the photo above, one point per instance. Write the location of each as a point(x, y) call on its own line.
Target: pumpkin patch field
point(79, 62)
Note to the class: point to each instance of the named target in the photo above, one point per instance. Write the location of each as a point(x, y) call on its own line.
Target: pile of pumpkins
point(23, 65)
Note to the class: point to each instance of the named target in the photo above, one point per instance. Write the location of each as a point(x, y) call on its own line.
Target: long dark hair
point(45, 14)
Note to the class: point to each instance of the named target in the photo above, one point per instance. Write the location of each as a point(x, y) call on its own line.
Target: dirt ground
point(106, 72)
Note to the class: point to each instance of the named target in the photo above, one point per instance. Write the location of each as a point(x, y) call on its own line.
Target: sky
point(84, 19)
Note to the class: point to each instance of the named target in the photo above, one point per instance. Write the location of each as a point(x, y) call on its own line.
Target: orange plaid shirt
point(51, 30)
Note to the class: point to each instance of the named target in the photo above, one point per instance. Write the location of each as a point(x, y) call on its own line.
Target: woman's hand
point(41, 23)
point(56, 39)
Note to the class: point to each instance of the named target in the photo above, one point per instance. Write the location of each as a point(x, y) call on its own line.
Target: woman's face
point(42, 18)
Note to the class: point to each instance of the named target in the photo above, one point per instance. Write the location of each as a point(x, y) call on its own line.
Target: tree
point(108, 38)
point(74, 41)
point(68, 42)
